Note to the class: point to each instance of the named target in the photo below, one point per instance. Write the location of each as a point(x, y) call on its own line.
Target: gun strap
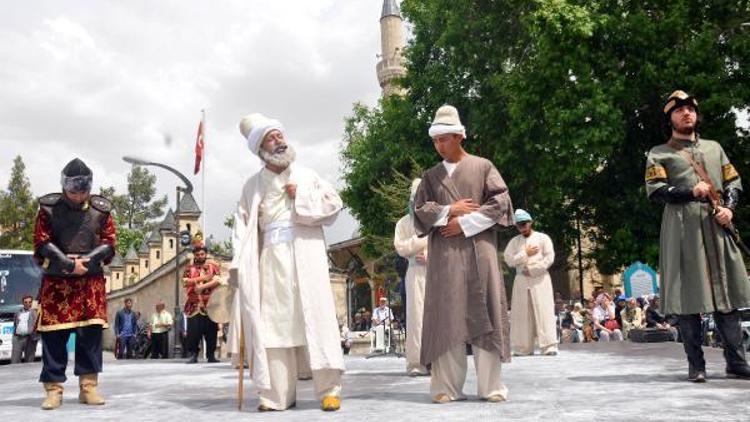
point(698, 167)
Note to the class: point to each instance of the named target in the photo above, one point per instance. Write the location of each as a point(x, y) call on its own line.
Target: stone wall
point(159, 285)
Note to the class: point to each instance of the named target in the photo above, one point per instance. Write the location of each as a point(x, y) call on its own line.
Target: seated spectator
point(656, 319)
point(571, 325)
point(589, 333)
point(366, 319)
point(619, 307)
point(382, 316)
point(358, 324)
point(632, 318)
point(605, 323)
point(576, 317)
point(619, 295)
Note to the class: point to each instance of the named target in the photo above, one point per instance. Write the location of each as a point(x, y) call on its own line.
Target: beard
point(685, 129)
point(281, 157)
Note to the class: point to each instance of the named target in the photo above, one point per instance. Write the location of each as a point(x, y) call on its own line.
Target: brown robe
point(465, 299)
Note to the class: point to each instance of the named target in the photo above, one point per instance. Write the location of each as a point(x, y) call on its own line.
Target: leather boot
point(88, 394)
point(691, 332)
point(730, 329)
point(54, 395)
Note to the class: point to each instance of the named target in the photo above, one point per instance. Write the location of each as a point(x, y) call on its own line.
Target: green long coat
point(701, 268)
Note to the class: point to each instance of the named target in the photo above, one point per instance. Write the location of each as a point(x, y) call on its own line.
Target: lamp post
point(187, 189)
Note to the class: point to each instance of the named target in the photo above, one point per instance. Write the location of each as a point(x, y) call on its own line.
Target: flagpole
point(203, 176)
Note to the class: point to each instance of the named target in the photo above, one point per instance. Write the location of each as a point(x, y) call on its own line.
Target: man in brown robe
point(459, 203)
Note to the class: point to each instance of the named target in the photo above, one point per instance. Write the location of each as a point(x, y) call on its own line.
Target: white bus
point(19, 276)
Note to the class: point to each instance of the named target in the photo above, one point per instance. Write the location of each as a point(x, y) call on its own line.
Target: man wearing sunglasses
point(532, 308)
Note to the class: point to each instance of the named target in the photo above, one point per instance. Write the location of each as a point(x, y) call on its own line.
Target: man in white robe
point(532, 307)
point(413, 248)
point(285, 301)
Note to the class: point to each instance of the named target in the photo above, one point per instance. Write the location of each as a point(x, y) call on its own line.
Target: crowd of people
point(613, 317)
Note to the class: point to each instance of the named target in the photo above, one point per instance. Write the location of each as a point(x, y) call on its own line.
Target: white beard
point(279, 159)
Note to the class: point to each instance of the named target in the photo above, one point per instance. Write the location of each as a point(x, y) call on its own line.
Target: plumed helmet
point(678, 99)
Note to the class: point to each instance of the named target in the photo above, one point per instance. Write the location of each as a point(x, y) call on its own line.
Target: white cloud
point(102, 80)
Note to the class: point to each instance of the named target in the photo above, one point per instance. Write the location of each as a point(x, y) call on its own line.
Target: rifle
point(715, 200)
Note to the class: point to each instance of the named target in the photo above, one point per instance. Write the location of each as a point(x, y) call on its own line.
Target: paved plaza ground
point(585, 382)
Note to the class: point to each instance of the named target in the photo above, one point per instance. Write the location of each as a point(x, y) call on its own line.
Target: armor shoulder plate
point(50, 199)
point(100, 203)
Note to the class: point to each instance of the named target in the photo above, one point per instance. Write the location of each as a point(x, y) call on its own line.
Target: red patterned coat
point(71, 302)
point(196, 302)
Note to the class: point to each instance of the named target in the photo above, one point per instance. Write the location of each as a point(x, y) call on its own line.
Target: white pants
point(449, 373)
point(282, 367)
point(415, 281)
point(380, 339)
point(303, 363)
point(532, 316)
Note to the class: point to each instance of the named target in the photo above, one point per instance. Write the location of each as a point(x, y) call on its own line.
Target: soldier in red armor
point(200, 279)
point(73, 238)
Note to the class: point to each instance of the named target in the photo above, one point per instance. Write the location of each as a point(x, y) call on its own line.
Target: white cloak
point(316, 204)
point(408, 245)
point(537, 288)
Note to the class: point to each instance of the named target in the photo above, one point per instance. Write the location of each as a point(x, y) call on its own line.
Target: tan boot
point(88, 394)
point(54, 395)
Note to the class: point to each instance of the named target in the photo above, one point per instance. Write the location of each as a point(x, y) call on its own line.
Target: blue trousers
point(88, 353)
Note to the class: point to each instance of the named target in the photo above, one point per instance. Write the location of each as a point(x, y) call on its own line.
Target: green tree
point(17, 210)
point(136, 212)
point(565, 98)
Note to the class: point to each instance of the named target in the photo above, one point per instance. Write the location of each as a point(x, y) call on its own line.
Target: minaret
point(392, 42)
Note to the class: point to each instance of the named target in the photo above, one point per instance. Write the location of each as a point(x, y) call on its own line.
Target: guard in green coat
point(702, 270)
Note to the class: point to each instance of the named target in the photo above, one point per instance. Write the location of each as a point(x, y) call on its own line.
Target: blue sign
point(8, 329)
point(640, 280)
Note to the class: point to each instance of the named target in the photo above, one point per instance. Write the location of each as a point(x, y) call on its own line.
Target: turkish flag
point(198, 149)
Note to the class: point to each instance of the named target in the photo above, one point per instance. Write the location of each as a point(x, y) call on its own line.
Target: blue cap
point(521, 216)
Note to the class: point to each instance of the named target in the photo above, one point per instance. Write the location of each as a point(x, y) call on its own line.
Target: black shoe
point(697, 375)
point(193, 359)
point(741, 372)
point(212, 360)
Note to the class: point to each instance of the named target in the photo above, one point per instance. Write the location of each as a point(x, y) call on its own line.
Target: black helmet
point(76, 176)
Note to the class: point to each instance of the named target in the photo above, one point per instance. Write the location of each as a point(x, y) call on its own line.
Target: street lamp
point(187, 189)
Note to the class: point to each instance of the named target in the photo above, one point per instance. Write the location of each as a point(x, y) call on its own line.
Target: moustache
point(280, 149)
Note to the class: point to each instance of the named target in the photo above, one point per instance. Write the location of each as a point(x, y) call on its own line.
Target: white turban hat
point(447, 121)
point(254, 127)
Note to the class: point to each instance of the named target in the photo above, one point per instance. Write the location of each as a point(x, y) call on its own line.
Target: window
point(117, 276)
point(171, 243)
point(132, 269)
point(158, 253)
point(146, 263)
point(188, 228)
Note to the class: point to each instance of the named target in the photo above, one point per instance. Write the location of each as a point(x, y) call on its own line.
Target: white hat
point(254, 127)
point(446, 121)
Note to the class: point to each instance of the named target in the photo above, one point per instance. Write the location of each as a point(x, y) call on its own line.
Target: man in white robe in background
point(532, 308)
point(285, 302)
point(413, 248)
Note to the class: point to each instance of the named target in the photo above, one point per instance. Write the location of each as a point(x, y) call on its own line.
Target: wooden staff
point(241, 385)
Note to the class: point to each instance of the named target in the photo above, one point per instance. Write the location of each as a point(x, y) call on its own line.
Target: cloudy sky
point(100, 80)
